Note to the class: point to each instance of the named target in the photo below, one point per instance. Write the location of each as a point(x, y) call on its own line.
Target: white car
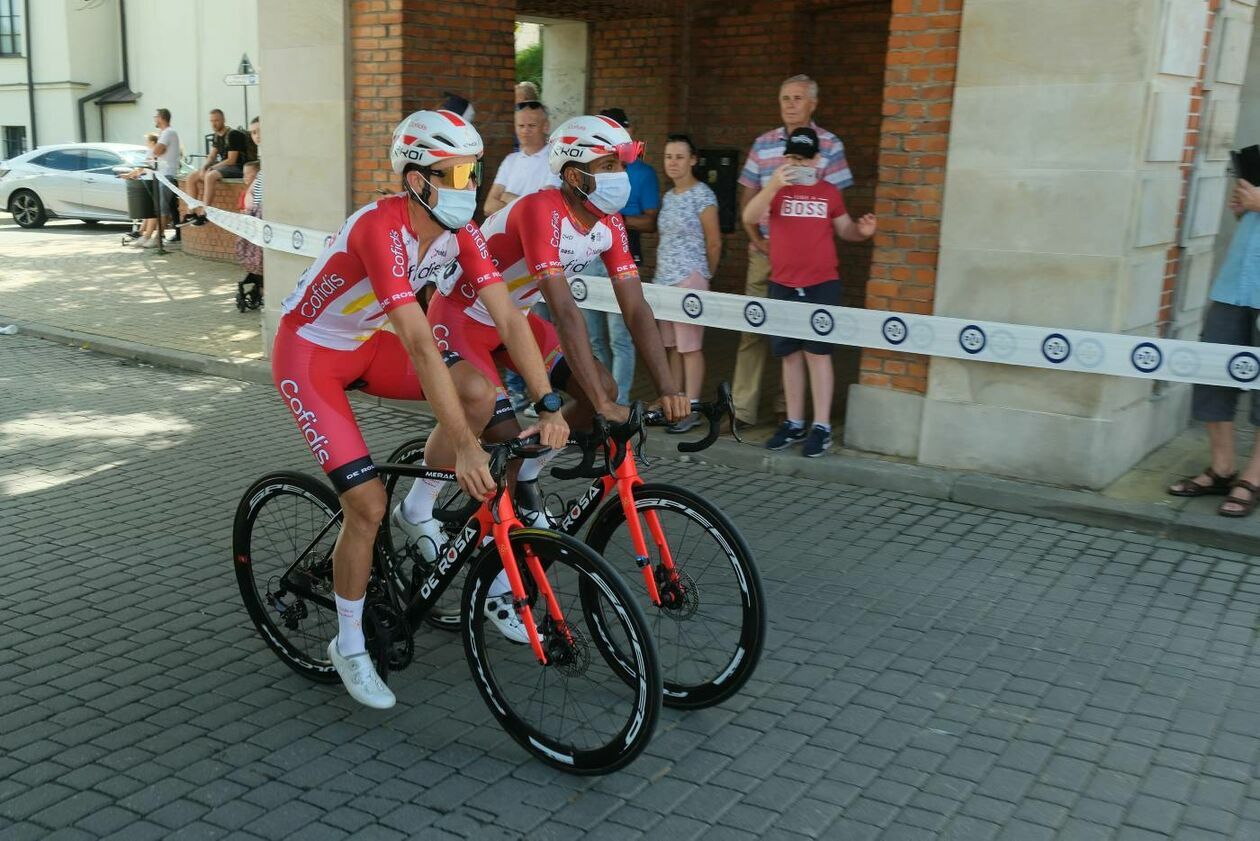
point(69, 181)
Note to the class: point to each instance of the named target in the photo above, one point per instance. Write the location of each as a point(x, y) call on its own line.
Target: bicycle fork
point(626, 482)
point(504, 522)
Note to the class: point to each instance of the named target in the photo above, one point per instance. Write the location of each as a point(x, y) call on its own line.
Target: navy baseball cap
point(803, 142)
point(616, 114)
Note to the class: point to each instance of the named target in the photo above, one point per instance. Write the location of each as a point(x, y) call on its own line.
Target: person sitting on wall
point(227, 158)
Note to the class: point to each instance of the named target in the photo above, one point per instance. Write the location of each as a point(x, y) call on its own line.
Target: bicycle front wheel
point(711, 624)
point(285, 516)
point(584, 711)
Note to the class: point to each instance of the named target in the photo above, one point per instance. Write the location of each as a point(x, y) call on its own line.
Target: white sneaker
point(147, 242)
point(499, 610)
point(426, 536)
point(360, 678)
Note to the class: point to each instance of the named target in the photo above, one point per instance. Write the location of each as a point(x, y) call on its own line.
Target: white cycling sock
point(418, 504)
point(350, 626)
point(500, 586)
point(532, 467)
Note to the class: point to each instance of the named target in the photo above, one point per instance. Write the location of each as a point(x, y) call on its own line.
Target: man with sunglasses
point(330, 340)
point(538, 242)
point(524, 171)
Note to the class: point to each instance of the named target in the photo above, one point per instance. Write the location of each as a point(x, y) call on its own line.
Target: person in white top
point(526, 171)
point(167, 154)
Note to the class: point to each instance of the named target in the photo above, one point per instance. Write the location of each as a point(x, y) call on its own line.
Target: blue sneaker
point(786, 436)
point(817, 442)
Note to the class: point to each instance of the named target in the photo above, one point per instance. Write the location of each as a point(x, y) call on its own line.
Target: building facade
point(1059, 164)
point(80, 70)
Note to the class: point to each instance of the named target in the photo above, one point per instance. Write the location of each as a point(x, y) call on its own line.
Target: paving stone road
point(933, 670)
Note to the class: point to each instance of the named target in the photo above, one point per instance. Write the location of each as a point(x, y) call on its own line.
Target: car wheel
point(28, 211)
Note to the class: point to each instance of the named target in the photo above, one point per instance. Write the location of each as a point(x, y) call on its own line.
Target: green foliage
point(529, 65)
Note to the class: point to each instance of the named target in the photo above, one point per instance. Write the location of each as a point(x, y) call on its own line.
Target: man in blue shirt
point(609, 337)
point(1231, 320)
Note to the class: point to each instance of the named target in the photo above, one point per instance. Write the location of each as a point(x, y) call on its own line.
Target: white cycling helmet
point(583, 139)
point(427, 137)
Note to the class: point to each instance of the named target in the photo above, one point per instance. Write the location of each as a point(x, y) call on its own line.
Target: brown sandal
point(1245, 506)
point(1188, 487)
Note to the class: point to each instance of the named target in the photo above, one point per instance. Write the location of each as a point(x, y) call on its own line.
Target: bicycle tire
point(516, 687)
point(302, 505)
point(400, 565)
point(693, 676)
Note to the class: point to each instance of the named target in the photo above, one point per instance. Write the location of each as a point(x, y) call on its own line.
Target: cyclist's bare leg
point(363, 508)
point(580, 411)
point(477, 394)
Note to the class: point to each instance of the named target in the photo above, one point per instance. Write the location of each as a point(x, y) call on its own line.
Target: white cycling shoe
point(360, 678)
point(426, 535)
point(499, 610)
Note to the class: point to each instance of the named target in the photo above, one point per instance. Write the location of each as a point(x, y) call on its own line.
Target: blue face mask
point(454, 208)
point(612, 190)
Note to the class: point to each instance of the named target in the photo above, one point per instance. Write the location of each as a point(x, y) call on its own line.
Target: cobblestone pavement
point(933, 670)
point(78, 277)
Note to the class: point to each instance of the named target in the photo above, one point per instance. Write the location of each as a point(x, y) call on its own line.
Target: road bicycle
point(583, 695)
point(706, 606)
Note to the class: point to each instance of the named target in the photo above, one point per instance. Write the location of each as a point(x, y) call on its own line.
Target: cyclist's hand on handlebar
point(675, 406)
point(552, 430)
point(472, 470)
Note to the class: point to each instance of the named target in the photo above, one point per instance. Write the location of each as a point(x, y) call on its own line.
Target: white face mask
point(612, 190)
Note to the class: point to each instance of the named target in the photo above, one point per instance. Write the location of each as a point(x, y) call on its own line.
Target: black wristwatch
point(550, 402)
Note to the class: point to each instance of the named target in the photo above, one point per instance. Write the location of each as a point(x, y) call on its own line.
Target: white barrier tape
point(1055, 349)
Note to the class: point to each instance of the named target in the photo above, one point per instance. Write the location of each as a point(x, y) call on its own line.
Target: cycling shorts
point(461, 338)
point(313, 381)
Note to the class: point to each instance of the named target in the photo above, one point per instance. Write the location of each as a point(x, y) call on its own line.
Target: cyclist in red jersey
point(537, 242)
point(330, 339)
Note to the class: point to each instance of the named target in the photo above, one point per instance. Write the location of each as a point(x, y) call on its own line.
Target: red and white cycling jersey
point(536, 237)
point(371, 267)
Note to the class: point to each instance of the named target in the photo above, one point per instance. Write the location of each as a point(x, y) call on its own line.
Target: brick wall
point(210, 240)
point(914, 135)
point(1189, 150)
point(396, 70)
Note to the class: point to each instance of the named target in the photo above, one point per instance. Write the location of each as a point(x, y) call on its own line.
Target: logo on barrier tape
point(692, 305)
point(754, 314)
point(578, 288)
point(1146, 357)
point(1090, 353)
point(328, 240)
point(1056, 348)
point(894, 330)
point(297, 240)
point(822, 322)
point(267, 234)
point(922, 335)
point(972, 339)
point(1183, 363)
point(1244, 367)
point(1001, 344)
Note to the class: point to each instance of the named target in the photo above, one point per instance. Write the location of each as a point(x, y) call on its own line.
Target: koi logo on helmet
point(306, 421)
point(321, 292)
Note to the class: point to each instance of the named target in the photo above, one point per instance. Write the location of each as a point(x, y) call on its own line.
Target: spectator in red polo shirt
point(806, 214)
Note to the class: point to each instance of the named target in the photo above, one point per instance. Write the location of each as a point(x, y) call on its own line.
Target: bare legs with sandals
point(1241, 490)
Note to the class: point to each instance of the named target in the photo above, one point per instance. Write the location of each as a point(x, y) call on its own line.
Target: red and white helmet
point(427, 137)
point(583, 139)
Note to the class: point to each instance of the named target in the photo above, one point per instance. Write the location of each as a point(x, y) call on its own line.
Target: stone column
point(565, 53)
point(1062, 195)
point(304, 84)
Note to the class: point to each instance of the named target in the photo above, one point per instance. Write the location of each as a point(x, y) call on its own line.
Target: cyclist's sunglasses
point(531, 104)
point(459, 175)
point(630, 152)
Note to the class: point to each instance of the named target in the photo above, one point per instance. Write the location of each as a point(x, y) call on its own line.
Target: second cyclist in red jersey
point(538, 242)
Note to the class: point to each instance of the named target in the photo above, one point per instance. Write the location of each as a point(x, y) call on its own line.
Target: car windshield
point(135, 157)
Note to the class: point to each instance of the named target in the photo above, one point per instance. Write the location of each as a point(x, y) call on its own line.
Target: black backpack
point(251, 148)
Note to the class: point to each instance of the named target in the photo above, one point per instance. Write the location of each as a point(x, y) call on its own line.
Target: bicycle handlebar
point(621, 433)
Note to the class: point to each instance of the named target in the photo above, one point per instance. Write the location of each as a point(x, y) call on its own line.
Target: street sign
point(248, 79)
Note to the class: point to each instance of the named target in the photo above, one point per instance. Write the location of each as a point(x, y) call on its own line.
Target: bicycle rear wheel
point(282, 516)
point(710, 627)
point(585, 711)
